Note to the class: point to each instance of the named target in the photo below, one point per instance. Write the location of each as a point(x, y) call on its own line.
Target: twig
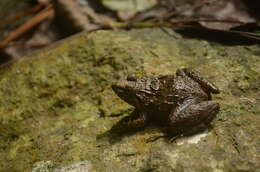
point(243, 34)
point(189, 20)
point(48, 12)
point(140, 25)
point(19, 15)
point(184, 24)
point(170, 23)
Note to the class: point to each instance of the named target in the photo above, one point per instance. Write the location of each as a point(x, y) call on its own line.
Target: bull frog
point(181, 102)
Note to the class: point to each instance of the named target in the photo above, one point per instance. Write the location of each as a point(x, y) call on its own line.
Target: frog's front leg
point(192, 117)
point(207, 86)
point(134, 122)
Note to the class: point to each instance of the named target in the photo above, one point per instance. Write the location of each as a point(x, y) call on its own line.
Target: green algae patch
point(57, 106)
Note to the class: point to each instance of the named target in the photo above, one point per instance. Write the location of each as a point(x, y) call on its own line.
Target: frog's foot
point(207, 86)
point(174, 138)
point(134, 122)
point(154, 138)
point(190, 118)
point(171, 138)
point(196, 129)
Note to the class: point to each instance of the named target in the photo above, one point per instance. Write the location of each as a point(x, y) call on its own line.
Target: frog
point(182, 102)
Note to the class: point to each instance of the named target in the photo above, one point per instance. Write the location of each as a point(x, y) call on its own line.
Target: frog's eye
point(155, 84)
point(131, 77)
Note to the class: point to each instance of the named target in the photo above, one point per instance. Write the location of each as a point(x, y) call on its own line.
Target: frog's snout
point(121, 87)
point(118, 88)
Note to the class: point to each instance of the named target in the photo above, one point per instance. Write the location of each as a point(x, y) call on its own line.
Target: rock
point(83, 166)
point(48, 166)
point(57, 105)
point(43, 166)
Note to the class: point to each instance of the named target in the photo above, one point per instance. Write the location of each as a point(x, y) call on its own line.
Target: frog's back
point(186, 88)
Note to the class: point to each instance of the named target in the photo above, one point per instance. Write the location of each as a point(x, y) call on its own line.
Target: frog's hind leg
point(134, 122)
point(191, 118)
point(207, 86)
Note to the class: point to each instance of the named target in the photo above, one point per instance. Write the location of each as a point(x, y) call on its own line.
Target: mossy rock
point(57, 105)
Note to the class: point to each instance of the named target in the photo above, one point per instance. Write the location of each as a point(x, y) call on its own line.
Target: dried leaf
point(132, 5)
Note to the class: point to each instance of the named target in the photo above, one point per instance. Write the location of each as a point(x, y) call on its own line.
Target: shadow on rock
point(133, 123)
point(127, 126)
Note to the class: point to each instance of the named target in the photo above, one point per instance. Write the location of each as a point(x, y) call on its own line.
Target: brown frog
point(181, 102)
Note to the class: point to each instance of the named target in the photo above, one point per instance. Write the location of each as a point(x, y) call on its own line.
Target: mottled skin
point(182, 102)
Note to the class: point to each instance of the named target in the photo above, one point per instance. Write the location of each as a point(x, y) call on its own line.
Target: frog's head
point(136, 91)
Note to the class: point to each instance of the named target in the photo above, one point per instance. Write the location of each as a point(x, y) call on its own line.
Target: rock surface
point(57, 105)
